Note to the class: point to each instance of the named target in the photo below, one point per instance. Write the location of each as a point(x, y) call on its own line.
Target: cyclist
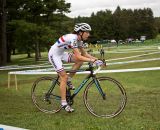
point(57, 54)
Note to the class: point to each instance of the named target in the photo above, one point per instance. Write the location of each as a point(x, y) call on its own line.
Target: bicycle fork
point(98, 86)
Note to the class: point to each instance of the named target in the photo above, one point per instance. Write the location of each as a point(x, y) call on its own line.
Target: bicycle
point(103, 96)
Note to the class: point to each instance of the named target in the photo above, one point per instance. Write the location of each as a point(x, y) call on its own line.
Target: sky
point(86, 7)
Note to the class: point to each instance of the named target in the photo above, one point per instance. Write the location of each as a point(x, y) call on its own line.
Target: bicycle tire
point(51, 103)
point(109, 107)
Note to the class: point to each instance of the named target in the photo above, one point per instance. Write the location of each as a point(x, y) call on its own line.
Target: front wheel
point(108, 100)
point(45, 94)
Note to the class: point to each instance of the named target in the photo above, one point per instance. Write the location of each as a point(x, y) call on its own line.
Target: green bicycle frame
point(83, 84)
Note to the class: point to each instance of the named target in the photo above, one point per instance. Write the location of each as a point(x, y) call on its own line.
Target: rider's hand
point(98, 62)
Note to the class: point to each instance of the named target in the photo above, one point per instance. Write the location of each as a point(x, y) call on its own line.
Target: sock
point(63, 102)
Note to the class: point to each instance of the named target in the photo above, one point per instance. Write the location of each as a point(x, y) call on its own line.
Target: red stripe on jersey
point(62, 39)
point(69, 58)
point(69, 46)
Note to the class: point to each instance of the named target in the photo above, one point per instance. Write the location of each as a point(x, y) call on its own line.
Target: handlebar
point(91, 68)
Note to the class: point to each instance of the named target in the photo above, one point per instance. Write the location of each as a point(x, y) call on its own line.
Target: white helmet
point(82, 27)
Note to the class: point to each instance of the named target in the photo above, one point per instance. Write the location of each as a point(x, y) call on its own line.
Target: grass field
point(142, 111)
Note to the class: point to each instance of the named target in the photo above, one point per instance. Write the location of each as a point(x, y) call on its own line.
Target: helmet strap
point(82, 36)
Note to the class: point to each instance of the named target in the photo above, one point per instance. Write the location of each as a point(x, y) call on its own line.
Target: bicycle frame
point(78, 89)
point(83, 83)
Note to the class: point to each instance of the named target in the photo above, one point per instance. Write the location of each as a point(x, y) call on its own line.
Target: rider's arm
point(79, 55)
point(84, 53)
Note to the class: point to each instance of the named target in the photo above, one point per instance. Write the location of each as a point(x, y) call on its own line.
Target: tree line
point(34, 25)
point(122, 24)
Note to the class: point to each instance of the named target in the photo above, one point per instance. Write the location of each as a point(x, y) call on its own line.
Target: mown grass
point(142, 111)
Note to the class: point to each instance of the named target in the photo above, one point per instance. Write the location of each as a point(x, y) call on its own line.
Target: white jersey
point(57, 52)
point(68, 41)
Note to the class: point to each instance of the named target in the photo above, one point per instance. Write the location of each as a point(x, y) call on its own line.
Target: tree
point(3, 42)
point(101, 24)
point(118, 23)
point(30, 37)
point(157, 24)
point(122, 24)
point(36, 12)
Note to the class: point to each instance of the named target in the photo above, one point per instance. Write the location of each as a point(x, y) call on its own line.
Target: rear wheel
point(45, 99)
point(111, 103)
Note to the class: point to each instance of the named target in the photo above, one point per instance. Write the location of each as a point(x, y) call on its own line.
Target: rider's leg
point(63, 81)
point(58, 66)
point(70, 58)
point(77, 64)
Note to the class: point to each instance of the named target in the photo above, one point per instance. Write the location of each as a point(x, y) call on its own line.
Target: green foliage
point(102, 24)
point(157, 24)
point(24, 35)
point(30, 24)
point(27, 35)
point(122, 24)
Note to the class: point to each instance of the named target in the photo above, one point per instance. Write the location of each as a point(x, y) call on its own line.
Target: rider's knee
point(64, 77)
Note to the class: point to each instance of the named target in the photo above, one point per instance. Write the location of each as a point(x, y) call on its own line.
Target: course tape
point(47, 70)
point(145, 51)
point(133, 61)
point(86, 72)
point(141, 48)
point(133, 56)
point(16, 67)
point(25, 67)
